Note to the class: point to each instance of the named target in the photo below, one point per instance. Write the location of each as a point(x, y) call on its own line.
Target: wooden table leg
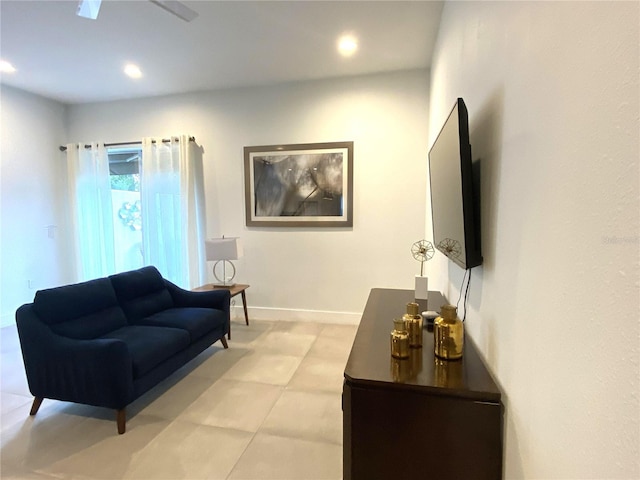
point(244, 304)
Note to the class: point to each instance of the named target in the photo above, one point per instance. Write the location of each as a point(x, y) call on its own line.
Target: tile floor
point(269, 407)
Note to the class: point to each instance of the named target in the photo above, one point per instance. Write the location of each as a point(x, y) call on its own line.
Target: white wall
point(553, 97)
point(302, 273)
point(32, 177)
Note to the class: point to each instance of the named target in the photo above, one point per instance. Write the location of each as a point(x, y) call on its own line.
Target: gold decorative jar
point(413, 321)
point(448, 334)
point(399, 339)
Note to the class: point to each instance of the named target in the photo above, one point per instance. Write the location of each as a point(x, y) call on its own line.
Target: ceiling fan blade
point(88, 8)
point(178, 9)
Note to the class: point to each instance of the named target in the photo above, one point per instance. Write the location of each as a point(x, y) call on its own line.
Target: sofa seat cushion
point(197, 321)
point(150, 346)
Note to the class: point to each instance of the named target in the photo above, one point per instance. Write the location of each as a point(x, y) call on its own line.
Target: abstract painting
point(303, 185)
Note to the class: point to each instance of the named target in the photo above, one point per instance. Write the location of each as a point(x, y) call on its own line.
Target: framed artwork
point(303, 185)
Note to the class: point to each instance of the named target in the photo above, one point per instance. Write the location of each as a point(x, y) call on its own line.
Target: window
point(124, 170)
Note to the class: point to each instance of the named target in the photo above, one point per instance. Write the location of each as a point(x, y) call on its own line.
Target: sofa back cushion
point(141, 293)
point(82, 311)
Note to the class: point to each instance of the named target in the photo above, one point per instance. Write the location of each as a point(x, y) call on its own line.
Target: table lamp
point(222, 251)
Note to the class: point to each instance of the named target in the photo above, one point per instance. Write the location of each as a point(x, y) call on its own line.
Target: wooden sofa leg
point(224, 342)
point(37, 401)
point(121, 419)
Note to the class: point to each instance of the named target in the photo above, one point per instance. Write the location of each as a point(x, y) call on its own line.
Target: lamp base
point(224, 282)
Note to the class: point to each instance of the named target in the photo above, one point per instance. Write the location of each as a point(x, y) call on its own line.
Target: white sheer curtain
point(91, 210)
point(172, 196)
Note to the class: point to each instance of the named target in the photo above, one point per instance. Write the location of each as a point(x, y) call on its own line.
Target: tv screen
point(456, 228)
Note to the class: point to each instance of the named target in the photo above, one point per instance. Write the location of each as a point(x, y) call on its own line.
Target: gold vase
point(414, 325)
point(399, 339)
point(448, 334)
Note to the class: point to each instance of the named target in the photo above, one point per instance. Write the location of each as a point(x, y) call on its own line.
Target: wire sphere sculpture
point(422, 251)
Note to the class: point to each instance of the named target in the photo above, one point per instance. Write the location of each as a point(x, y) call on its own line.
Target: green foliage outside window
point(130, 182)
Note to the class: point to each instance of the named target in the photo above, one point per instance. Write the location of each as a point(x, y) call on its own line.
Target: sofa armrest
point(96, 372)
point(218, 299)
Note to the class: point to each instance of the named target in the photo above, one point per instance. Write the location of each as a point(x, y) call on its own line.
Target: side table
point(234, 290)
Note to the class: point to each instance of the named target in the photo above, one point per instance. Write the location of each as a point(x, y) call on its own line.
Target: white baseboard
point(290, 315)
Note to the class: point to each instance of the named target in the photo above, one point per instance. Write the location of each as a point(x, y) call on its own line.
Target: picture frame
point(299, 185)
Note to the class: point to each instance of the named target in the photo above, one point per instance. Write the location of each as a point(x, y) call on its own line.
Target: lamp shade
point(228, 248)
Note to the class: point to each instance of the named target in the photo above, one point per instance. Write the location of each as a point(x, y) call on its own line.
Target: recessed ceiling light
point(347, 45)
point(132, 70)
point(6, 67)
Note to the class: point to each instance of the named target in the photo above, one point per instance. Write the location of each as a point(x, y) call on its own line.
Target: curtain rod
point(120, 144)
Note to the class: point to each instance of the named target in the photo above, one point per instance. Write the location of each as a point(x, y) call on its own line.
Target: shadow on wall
point(486, 149)
point(485, 136)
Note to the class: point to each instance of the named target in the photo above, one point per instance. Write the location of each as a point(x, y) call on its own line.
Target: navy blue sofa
point(105, 342)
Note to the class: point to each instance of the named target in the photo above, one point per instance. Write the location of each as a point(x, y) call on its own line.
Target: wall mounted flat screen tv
point(454, 200)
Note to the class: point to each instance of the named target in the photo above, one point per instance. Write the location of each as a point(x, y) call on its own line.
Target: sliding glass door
point(124, 175)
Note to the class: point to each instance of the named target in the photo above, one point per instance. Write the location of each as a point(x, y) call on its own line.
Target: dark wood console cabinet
point(419, 418)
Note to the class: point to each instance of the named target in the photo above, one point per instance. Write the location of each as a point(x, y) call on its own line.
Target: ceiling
point(230, 44)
